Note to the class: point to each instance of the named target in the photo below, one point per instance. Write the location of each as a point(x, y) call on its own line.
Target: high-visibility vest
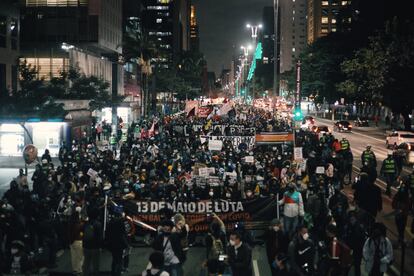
point(112, 141)
point(389, 166)
point(367, 155)
point(344, 144)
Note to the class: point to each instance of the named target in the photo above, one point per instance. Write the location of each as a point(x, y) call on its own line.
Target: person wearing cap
point(170, 244)
point(390, 171)
point(276, 243)
point(292, 210)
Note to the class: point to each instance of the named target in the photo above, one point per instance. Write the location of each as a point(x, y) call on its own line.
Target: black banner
point(255, 213)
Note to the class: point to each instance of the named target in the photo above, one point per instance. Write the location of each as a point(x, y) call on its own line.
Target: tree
point(34, 99)
point(383, 70)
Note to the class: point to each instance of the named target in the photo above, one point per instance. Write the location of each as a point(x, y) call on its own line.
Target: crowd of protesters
point(319, 231)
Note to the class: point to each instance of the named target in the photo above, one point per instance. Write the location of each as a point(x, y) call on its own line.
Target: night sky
point(222, 26)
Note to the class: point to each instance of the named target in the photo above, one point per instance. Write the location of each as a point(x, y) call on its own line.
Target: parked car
point(406, 150)
point(342, 126)
point(396, 138)
point(361, 122)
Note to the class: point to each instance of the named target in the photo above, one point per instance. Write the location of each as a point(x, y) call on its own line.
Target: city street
point(359, 139)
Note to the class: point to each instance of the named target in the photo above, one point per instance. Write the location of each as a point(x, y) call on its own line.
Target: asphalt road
point(359, 139)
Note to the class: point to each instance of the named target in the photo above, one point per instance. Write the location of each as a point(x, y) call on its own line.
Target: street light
point(254, 29)
point(246, 49)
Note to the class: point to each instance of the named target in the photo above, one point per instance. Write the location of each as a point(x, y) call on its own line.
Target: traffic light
point(297, 114)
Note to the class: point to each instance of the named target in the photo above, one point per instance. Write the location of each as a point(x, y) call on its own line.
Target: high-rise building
point(194, 34)
point(9, 44)
point(293, 27)
point(324, 17)
point(265, 67)
point(81, 33)
point(167, 26)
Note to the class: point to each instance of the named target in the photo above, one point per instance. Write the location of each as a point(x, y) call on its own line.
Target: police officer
point(389, 170)
point(113, 142)
point(368, 156)
point(345, 146)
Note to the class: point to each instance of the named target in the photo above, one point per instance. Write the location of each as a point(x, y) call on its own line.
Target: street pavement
point(359, 139)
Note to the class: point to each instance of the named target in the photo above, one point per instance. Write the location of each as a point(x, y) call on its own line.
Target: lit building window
point(324, 20)
point(49, 67)
point(159, 20)
point(325, 3)
point(164, 1)
point(157, 8)
point(293, 49)
point(333, 20)
point(324, 31)
point(56, 3)
point(333, 30)
point(344, 3)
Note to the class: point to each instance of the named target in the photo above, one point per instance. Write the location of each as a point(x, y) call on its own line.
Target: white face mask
point(78, 209)
point(232, 243)
point(276, 228)
point(210, 193)
point(249, 194)
point(305, 236)
point(228, 195)
point(14, 251)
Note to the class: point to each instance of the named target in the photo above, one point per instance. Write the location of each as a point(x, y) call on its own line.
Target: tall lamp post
point(246, 50)
point(275, 54)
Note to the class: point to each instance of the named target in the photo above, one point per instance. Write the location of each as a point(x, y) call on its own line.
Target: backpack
point(216, 249)
point(89, 233)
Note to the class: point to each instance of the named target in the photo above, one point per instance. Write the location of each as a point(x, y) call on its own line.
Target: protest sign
point(92, 173)
point(297, 153)
point(215, 145)
point(255, 213)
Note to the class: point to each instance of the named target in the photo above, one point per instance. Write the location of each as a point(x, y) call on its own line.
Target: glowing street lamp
point(254, 29)
point(246, 49)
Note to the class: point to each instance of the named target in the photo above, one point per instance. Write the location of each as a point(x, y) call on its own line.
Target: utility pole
point(276, 51)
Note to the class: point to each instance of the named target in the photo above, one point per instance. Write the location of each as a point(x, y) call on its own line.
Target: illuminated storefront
point(46, 135)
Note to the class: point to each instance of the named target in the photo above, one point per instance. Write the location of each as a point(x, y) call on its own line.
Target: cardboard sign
point(320, 170)
point(203, 172)
point(215, 145)
point(297, 153)
point(249, 159)
point(92, 173)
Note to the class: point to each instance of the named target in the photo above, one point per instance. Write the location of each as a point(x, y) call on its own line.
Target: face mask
point(126, 190)
point(305, 236)
point(210, 193)
point(232, 243)
point(249, 194)
point(14, 251)
point(78, 209)
point(276, 228)
point(228, 195)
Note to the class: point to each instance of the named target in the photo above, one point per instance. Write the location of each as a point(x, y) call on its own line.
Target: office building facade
point(324, 17)
point(9, 44)
point(293, 32)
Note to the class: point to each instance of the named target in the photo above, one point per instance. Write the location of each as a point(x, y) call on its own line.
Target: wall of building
point(9, 44)
point(293, 32)
point(110, 25)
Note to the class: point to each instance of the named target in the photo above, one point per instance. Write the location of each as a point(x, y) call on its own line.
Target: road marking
point(256, 268)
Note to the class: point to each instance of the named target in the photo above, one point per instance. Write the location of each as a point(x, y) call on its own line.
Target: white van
point(398, 137)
